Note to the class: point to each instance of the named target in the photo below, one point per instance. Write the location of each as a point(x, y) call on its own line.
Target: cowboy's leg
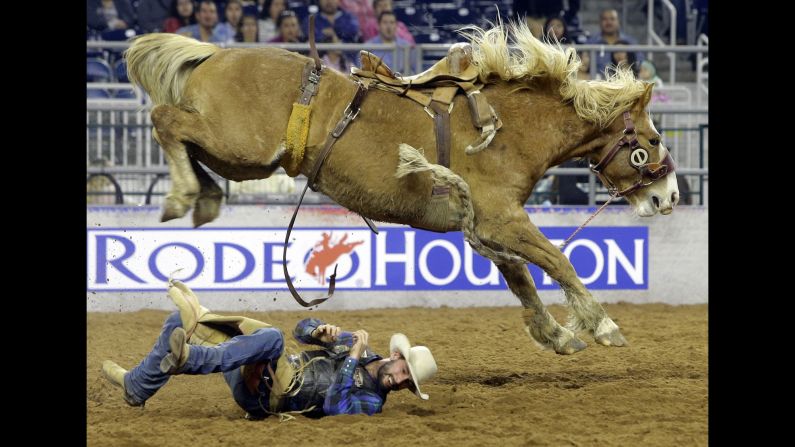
point(253, 404)
point(143, 381)
point(262, 345)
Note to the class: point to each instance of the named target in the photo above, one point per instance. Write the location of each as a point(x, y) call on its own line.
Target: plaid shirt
point(342, 396)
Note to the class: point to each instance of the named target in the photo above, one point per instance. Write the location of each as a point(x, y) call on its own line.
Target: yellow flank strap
point(296, 136)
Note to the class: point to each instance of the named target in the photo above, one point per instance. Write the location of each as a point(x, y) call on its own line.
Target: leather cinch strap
point(441, 121)
point(349, 115)
point(312, 48)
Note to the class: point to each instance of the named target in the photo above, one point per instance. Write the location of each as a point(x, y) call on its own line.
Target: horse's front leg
point(519, 236)
point(540, 325)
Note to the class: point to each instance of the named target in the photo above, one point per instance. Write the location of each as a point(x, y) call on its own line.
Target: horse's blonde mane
point(599, 102)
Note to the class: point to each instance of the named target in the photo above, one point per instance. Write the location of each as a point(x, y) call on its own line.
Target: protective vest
point(318, 375)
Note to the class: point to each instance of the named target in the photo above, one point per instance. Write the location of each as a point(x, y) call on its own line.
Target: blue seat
point(97, 70)
point(413, 16)
point(120, 68)
point(97, 93)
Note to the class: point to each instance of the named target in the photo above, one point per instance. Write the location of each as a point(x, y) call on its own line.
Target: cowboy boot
point(190, 311)
point(176, 359)
point(115, 375)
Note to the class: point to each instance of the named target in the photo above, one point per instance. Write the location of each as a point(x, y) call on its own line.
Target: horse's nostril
point(674, 197)
point(656, 201)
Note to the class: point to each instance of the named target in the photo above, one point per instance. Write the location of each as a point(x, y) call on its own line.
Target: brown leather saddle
point(435, 89)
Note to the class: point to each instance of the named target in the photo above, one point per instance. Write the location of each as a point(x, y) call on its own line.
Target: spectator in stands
point(110, 15)
point(648, 73)
point(610, 34)
point(370, 23)
point(289, 31)
point(335, 59)
point(584, 72)
point(207, 28)
point(333, 21)
point(268, 18)
point(555, 31)
point(625, 58)
point(534, 13)
point(248, 29)
point(572, 20)
point(153, 13)
point(233, 13)
point(387, 33)
point(362, 10)
point(181, 15)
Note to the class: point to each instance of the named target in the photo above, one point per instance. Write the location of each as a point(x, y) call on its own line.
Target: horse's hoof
point(205, 210)
point(173, 209)
point(571, 346)
point(613, 338)
point(608, 334)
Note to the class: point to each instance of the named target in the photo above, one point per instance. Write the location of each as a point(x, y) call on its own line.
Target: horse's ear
point(646, 98)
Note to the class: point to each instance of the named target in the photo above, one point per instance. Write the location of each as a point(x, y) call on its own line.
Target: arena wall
point(623, 258)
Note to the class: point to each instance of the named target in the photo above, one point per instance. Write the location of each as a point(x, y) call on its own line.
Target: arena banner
point(397, 259)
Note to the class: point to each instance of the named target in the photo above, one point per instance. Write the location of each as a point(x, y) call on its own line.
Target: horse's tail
point(161, 64)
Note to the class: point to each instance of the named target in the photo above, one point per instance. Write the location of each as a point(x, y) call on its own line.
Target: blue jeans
point(263, 345)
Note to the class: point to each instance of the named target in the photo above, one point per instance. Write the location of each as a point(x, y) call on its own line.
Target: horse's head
point(635, 164)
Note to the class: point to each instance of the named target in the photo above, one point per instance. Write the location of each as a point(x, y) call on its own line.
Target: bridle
point(637, 159)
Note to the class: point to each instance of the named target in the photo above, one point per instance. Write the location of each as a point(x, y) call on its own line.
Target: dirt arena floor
point(494, 386)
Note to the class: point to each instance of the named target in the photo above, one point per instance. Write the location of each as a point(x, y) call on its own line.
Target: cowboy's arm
point(313, 331)
point(341, 399)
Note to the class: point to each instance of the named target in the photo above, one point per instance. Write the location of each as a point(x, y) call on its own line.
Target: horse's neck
point(553, 130)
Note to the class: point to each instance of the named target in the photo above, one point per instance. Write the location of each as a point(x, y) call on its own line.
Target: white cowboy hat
point(422, 366)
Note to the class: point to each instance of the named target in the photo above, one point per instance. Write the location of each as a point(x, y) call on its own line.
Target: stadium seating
point(97, 70)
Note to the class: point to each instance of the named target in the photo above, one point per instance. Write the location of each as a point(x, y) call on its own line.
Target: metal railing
point(702, 76)
point(423, 51)
point(148, 185)
point(654, 38)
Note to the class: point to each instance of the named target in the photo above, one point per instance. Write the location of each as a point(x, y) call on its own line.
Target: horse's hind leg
point(208, 204)
point(170, 130)
point(539, 323)
point(522, 238)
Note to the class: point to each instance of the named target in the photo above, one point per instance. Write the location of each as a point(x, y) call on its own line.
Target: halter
point(638, 158)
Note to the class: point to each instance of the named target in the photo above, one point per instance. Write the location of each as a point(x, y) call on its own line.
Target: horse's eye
point(654, 141)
